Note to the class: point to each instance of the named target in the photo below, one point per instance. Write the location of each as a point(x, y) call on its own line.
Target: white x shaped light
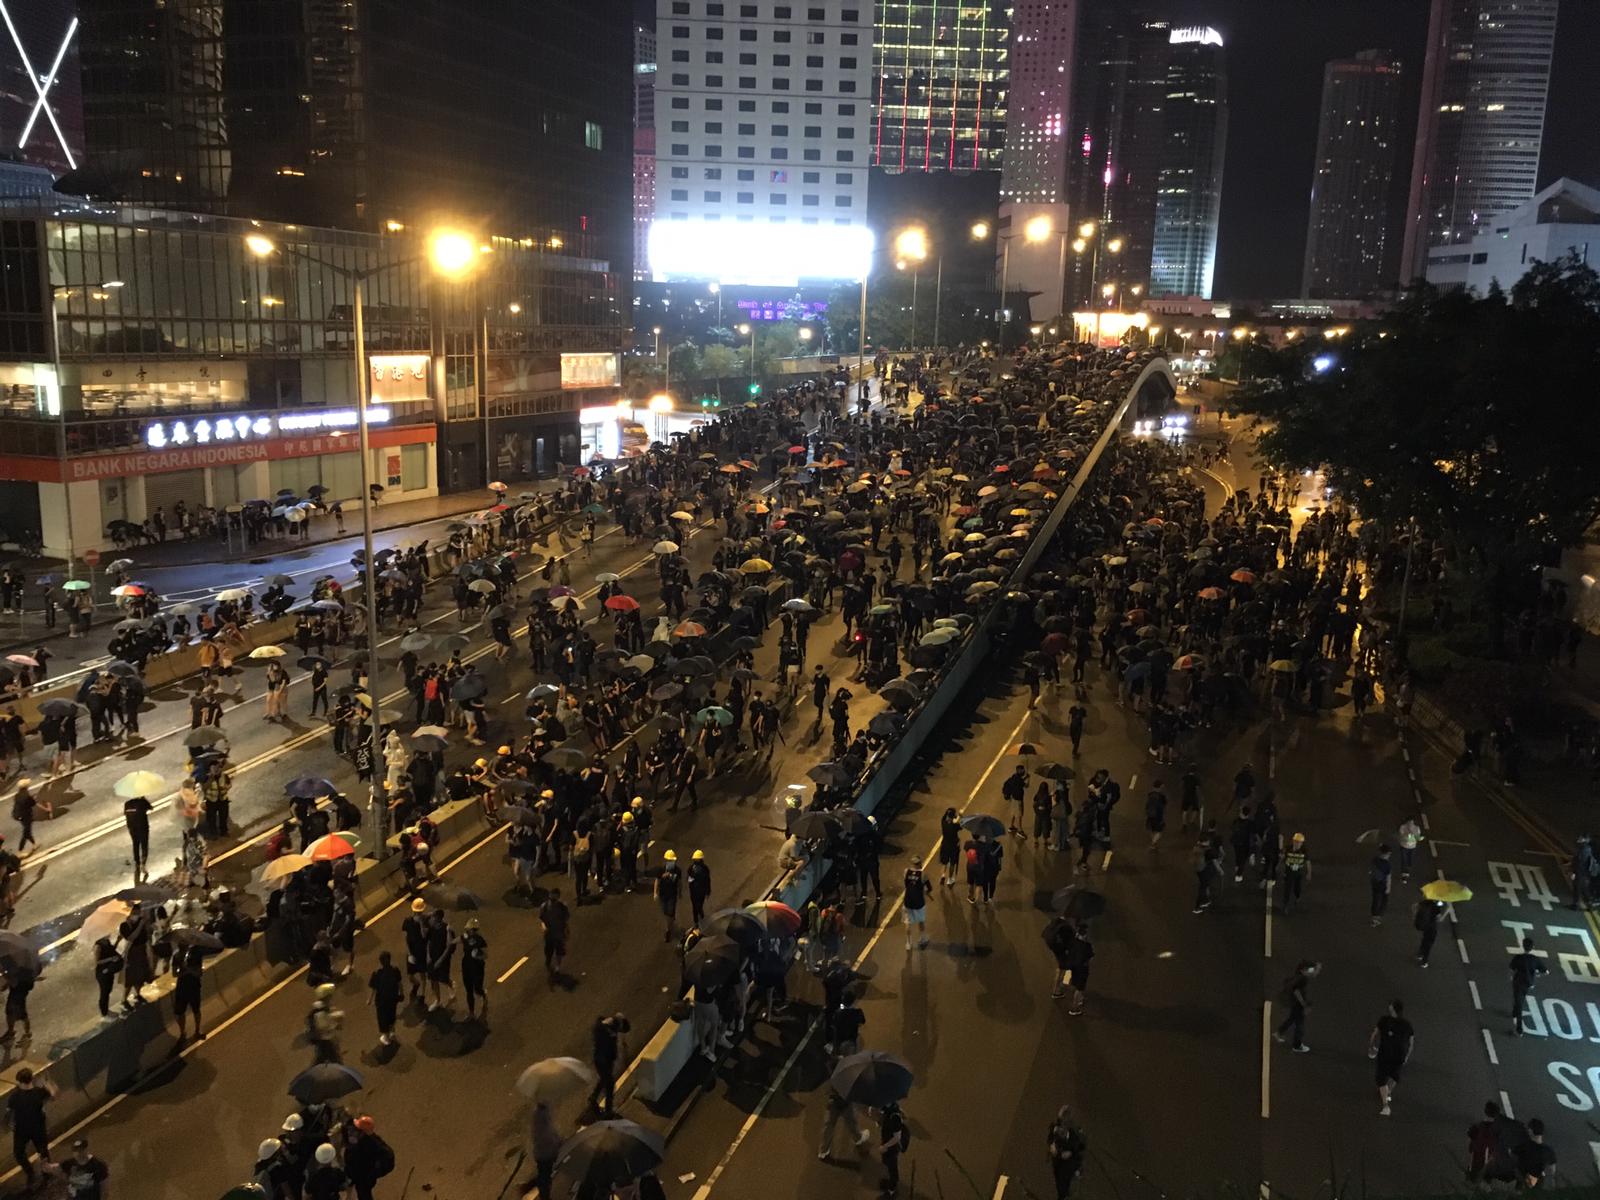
point(42, 87)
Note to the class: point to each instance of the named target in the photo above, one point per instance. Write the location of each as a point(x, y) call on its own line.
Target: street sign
point(92, 557)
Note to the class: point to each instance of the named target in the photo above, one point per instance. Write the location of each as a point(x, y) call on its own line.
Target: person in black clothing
point(1525, 971)
point(1390, 1047)
point(25, 1114)
point(474, 963)
point(1428, 913)
point(384, 987)
point(894, 1138)
point(136, 816)
point(107, 968)
point(699, 881)
point(1296, 995)
point(610, 1034)
point(319, 688)
point(554, 917)
point(1067, 1147)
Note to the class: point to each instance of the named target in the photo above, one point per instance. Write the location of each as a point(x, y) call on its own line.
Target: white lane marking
point(512, 969)
point(1488, 1044)
point(1505, 1105)
point(1000, 1184)
point(1477, 1000)
point(1594, 1149)
point(1266, 949)
point(894, 911)
point(1266, 1059)
point(65, 1138)
point(1461, 949)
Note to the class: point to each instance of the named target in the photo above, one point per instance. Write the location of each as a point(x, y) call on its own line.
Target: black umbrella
point(309, 787)
point(814, 827)
point(828, 775)
point(326, 1081)
point(118, 667)
point(609, 1154)
point(1055, 770)
point(58, 708)
point(18, 953)
point(712, 961)
point(458, 899)
point(872, 1078)
point(983, 825)
point(196, 939)
point(518, 814)
point(737, 926)
point(147, 893)
point(308, 661)
point(1077, 903)
point(566, 759)
point(469, 687)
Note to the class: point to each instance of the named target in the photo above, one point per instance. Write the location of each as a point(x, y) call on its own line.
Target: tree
point(721, 362)
point(1474, 416)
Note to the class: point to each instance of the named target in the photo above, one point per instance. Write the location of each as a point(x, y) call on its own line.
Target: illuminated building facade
point(763, 115)
point(644, 146)
point(1480, 122)
point(1039, 100)
point(1194, 120)
point(1347, 234)
point(940, 85)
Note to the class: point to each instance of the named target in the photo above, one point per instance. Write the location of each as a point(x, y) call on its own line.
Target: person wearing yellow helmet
point(668, 886)
point(629, 839)
point(699, 878)
point(1296, 870)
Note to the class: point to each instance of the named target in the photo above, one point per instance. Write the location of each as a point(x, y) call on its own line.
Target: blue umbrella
point(309, 787)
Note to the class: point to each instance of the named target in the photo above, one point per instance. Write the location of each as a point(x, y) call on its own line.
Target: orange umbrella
point(1243, 576)
point(326, 849)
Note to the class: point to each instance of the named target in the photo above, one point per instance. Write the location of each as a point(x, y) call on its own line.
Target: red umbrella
point(1055, 643)
point(690, 629)
point(778, 917)
point(797, 449)
point(1243, 576)
point(622, 604)
point(1138, 616)
point(579, 472)
point(326, 849)
point(1211, 593)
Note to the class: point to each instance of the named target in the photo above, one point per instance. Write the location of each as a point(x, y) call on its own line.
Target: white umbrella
point(103, 921)
point(553, 1078)
point(482, 586)
point(233, 593)
point(267, 652)
point(282, 867)
point(139, 783)
point(665, 547)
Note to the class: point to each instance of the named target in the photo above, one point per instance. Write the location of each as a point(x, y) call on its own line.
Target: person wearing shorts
point(915, 909)
point(1390, 1048)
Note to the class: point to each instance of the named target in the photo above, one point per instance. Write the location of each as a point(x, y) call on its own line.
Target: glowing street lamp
point(453, 255)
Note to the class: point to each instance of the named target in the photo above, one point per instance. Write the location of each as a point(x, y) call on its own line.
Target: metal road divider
point(664, 1056)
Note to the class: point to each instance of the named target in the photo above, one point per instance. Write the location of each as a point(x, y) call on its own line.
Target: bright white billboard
point(758, 253)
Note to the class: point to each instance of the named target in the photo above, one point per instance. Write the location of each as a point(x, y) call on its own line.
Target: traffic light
point(710, 402)
point(755, 389)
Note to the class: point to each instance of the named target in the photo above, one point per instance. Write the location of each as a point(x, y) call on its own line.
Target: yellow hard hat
point(419, 905)
point(482, 762)
point(505, 749)
point(638, 802)
point(671, 856)
point(1299, 837)
point(699, 856)
point(547, 794)
point(627, 818)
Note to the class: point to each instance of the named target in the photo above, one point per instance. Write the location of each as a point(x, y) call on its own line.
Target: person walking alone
point(1295, 994)
point(1067, 1148)
point(1525, 971)
point(1390, 1047)
point(1427, 921)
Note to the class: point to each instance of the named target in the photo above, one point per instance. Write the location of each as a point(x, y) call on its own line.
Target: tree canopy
point(1478, 417)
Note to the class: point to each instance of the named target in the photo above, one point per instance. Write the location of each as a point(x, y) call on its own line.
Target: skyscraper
point(1485, 82)
point(939, 85)
point(334, 113)
point(1115, 140)
point(1194, 121)
point(644, 146)
point(1038, 101)
point(1350, 214)
point(763, 113)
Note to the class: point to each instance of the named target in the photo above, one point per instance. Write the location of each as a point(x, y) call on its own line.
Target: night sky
point(1276, 50)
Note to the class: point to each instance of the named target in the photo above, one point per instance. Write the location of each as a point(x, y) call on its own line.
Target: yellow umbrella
point(267, 652)
point(139, 783)
point(1446, 891)
point(1282, 666)
point(755, 566)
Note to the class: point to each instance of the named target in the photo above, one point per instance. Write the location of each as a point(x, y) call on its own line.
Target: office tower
point(1349, 225)
point(1480, 122)
point(1115, 141)
point(1038, 101)
point(1194, 122)
point(644, 146)
point(939, 89)
point(41, 107)
point(763, 114)
point(333, 113)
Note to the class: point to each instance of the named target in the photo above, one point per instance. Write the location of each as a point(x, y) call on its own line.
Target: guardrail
point(666, 1054)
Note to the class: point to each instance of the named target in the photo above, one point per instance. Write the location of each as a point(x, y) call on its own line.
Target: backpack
point(382, 1157)
point(972, 856)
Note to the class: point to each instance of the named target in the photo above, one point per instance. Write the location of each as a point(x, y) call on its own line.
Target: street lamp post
point(749, 327)
point(911, 247)
point(452, 255)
